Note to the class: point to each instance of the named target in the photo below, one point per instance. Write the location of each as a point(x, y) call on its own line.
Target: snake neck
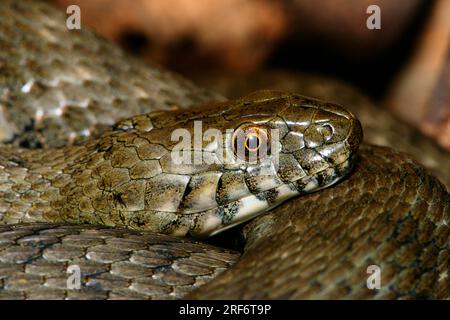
point(32, 181)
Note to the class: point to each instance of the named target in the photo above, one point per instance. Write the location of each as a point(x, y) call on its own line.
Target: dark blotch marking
point(301, 184)
point(321, 177)
point(251, 181)
point(186, 193)
point(118, 200)
point(227, 212)
point(19, 161)
point(221, 197)
point(269, 196)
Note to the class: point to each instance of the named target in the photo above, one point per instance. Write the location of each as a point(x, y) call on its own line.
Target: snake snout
point(356, 135)
point(345, 127)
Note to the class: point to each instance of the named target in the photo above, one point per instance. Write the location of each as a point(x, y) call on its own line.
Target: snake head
point(289, 145)
point(311, 145)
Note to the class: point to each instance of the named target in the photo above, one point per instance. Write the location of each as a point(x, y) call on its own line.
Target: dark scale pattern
point(114, 263)
point(227, 212)
point(270, 196)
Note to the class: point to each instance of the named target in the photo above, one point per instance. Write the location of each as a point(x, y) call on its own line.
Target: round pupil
point(253, 142)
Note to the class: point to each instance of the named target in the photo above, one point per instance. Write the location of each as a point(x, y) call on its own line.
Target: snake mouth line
point(254, 205)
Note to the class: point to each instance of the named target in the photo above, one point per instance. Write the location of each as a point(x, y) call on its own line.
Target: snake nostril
point(327, 131)
point(317, 134)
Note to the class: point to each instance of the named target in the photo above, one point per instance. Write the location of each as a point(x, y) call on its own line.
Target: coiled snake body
point(104, 202)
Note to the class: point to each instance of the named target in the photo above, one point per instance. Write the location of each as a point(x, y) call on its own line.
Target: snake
point(88, 180)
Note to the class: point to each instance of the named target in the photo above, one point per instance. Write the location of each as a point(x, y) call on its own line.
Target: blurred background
point(237, 46)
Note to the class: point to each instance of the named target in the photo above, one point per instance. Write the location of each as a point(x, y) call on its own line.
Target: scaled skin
point(128, 177)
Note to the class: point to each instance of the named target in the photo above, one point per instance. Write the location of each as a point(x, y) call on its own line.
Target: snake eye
point(251, 143)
